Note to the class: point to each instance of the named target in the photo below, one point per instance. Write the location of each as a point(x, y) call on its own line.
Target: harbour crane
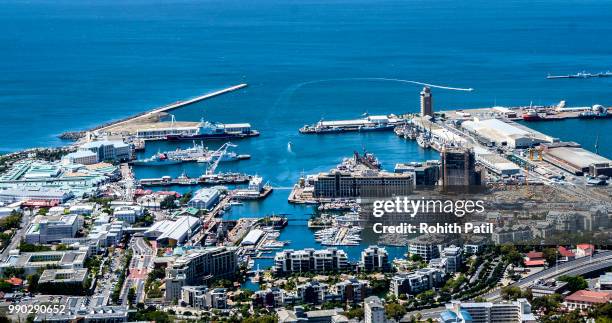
point(216, 157)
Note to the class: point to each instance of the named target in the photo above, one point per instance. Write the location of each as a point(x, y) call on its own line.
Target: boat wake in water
point(288, 92)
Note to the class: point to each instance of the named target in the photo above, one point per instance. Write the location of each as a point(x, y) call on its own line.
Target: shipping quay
point(491, 139)
point(149, 117)
point(365, 124)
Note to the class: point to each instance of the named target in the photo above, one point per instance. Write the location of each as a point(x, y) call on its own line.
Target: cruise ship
point(366, 124)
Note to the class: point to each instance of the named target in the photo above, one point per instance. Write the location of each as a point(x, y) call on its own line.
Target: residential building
point(424, 248)
point(313, 292)
point(272, 297)
point(375, 258)
point(310, 260)
point(351, 290)
point(512, 234)
point(203, 298)
point(416, 282)
point(197, 266)
point(373, 310)
point(453, 255)
point(584, 250)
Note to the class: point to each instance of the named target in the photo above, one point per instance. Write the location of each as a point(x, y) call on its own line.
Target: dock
point(149, 117)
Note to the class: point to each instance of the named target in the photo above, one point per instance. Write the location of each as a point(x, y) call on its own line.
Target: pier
point(149, 117)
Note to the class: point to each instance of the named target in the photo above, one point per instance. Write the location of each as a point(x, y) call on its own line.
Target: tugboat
point(531, 115)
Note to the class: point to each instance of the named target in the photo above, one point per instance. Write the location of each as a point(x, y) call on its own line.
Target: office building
point(518, 311)
point(107, 150)
point(458, 167)
point(63, 281)
point(198, 266)
point(426, 102)
point(373, 310)
point(205, 198)
point(47, 229)
point(31, 262)
point(310, 260)
point(374, 258)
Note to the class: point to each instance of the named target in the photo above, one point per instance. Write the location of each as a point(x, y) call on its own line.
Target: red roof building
point(565, 254)
point(585, 298)
point(534, 259)
point(584, 250)
point(16, 282)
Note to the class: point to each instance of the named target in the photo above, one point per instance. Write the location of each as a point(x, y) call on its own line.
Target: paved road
point(577, 267)
point(25, 221)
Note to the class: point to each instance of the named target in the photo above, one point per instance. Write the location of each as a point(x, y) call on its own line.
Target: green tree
point(550, 255)
point(574, 283)
point(355, 313)
point(395, 311)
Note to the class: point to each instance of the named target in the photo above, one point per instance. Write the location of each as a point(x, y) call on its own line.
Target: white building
point(197, 266)
point(83, 157)
point(518, 311)
point(373, 310)
point(31, 262)
point(453, 255)
point(46, 229)
point(375, 258)
point(205, 198)
point(17, 194)
point(109, 150)
point(416, 282)
point(310, 260)
point(203, 298)
point(506, 133)
point(172, 233)
point(128, 213)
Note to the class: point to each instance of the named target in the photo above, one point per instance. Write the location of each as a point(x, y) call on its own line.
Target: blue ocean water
point(71, 64)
